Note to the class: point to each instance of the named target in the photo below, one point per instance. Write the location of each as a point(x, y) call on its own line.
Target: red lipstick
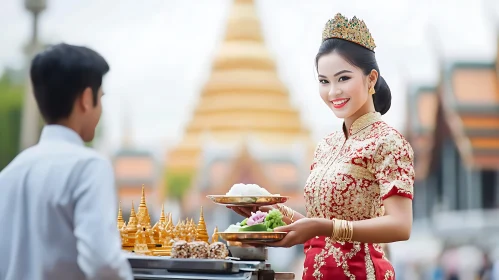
point(339, 102)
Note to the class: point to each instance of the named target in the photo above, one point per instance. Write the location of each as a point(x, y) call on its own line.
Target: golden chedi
point(124, 235)
point(183, 231)
point(149, 237)
point(143, 218)
point(214, 237)
point(159, 225)
point(176, 231)
point(169, 223)
point(120, 221)
point(201, 232)
point(193, 230)
point(166, 240)
point(243, 95)
point(131, 228)
point(141, 242)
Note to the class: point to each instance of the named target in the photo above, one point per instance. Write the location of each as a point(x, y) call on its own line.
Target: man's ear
point(86, 100)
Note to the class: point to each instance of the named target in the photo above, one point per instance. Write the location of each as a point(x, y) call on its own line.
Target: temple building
point(244, 128)
point(453, 127)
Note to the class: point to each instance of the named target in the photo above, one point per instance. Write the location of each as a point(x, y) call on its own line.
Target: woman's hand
point(301, 231)
point(246, 211)
point(243, 211)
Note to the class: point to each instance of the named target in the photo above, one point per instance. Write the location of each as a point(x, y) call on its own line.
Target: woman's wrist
point(287, 212)
point(325, 227)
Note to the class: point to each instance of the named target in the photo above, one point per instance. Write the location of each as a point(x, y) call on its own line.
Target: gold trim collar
point(363, 122)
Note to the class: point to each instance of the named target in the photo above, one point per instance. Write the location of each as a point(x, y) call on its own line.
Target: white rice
point(247, 190)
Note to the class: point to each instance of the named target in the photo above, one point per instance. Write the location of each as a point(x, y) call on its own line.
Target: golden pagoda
point(201, 232)
point(215, 236)
point(143, 218)
point(120, 222)
point(131, 229)
point(244, 97)
point(160, 224)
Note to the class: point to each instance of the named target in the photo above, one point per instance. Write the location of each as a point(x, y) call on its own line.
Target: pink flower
point(256, 218)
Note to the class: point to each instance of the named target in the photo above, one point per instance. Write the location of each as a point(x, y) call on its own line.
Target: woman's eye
point(323, 81)
point(344, 78)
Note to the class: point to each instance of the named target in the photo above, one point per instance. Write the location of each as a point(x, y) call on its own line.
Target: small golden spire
point(162, 218)
point(143, 217)
point(121, 222)
point(131, 228)
point(201, 233)
point(159, 226)
point(132, 221)
point(214, 237)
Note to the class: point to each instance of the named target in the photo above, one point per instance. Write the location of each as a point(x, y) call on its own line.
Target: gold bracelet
point(286, 212)
point(292, 216)
point(342, 230)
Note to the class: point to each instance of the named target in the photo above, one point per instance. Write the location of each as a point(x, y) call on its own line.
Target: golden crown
point(353, 30)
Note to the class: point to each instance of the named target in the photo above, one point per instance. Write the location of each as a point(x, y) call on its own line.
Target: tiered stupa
point(201, 232)
point(143, 218)
point(120, 222)
point(131, 228)
point(160, 224)
point(243, 98)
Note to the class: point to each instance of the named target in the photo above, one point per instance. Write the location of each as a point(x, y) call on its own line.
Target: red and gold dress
point(349, 179)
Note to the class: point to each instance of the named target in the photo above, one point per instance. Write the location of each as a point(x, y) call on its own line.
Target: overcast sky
point(160, 51)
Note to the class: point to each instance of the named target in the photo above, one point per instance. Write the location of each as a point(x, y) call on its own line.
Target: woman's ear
point(373, 77)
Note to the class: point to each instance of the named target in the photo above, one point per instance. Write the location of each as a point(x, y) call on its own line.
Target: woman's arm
point(394, 226)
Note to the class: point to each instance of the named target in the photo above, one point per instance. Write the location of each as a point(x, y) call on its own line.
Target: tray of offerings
point(259, 227)
point(255, 236)
point(247, 200)
point(247, 195)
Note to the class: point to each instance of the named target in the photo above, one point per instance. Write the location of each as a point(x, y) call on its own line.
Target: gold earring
point(372, 91)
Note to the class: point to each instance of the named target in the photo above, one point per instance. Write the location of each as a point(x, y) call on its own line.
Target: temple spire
point(244, 95)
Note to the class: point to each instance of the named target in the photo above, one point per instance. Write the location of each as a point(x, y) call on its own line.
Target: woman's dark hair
point(364, 59)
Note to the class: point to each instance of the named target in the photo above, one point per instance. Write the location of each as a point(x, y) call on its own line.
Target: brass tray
point(252, 236)
point(247, 200)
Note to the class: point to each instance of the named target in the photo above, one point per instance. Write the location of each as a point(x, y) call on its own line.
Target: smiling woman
point(359, 191)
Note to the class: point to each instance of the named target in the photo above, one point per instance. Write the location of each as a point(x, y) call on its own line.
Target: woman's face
point(344, 87)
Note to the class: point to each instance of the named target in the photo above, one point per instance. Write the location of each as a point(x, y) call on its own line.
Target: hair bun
point(382, 97)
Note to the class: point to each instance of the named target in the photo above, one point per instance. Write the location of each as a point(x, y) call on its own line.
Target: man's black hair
point(59, 76)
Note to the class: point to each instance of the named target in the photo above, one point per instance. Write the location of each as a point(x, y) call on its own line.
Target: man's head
point(67, 87)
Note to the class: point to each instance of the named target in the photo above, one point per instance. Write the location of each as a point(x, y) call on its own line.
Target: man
point(58, 198)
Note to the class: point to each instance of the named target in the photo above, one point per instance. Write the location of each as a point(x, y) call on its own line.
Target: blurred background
point(205, 94)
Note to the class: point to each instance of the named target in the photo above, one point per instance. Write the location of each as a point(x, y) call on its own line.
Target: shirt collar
point(363, 122)
point(59, 132)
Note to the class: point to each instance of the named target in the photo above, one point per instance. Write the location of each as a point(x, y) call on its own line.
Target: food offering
point(199, 250)
point(248, 195)
point(259, 227)
point(186, 239)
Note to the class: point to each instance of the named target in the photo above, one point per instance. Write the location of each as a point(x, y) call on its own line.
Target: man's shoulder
point(57, 155)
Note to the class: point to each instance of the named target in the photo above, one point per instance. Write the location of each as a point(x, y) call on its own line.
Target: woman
point(359, 192)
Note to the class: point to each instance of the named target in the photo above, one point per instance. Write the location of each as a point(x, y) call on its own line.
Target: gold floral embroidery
point(304, 272)
point(389, 275)
point(308, 249)
point(370, 274)
point(320, 259)
point(350, 177)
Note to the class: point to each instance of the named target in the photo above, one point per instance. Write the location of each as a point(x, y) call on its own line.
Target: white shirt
point(58, 210)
